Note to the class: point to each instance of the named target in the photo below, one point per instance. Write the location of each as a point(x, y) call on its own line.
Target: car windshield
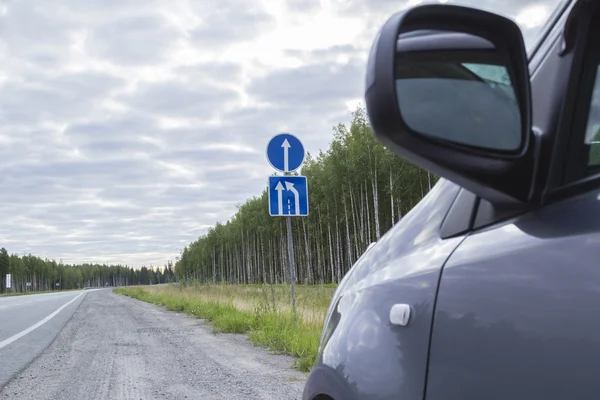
point(530, 15)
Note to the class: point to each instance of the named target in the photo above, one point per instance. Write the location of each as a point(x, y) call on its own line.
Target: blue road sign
point(285, 152)
point(288, 196)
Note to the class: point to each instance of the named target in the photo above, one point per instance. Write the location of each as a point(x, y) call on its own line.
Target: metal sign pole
point(291, 255)
point(285, 153)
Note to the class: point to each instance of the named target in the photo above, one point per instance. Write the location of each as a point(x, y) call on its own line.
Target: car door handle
point(400, 314)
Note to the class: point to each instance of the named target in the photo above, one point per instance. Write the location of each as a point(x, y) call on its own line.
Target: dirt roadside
point(115, 347)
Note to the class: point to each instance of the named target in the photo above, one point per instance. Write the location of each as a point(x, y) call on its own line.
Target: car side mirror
point(448, 89)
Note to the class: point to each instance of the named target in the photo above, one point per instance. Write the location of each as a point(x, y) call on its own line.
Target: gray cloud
point(303, 6)
point(127, 129)
point(329, 55)
point(113, 127)
point(226, 21)
point(136, 39)
point(32, 22)
point(181, 99)
point(62, 97)
point(209, 72)
point(310, 86)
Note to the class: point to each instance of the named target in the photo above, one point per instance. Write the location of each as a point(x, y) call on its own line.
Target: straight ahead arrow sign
point(286, 159)
point(280, 190)
point(285, 152)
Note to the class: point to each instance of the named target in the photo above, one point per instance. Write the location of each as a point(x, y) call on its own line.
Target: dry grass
point(312, 301)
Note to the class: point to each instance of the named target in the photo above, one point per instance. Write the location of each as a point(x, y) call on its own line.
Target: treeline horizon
point(44, 274)
point(357, 191)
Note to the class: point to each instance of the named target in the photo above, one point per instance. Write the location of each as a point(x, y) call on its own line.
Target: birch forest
point(34, 274)
point(357, 191)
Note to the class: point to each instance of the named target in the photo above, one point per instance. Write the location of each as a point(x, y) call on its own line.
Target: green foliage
point(279, 332)
point(44, 274)
point(357, 191)
point(4, 268)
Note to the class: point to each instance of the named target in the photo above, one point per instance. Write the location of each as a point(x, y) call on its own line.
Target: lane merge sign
point(288, 196)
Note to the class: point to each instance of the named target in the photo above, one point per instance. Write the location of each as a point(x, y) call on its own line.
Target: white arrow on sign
point(290, 186)
point(286, 160)
point(280, 190)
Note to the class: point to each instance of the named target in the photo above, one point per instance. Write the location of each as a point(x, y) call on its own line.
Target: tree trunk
point(331, 252)
point(309, 272)
point(214, 265)
point(376, 204)
point(392, 197)
point(348, 244)
point(356, 246)
point(368, 213)
point(339, 249)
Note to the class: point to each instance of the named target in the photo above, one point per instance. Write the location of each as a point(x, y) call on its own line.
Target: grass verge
point(261, 311)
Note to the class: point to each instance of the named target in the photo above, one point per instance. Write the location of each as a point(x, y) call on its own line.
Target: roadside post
point(288, 195)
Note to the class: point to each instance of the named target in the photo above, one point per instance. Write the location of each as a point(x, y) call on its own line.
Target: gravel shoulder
point(115, 347)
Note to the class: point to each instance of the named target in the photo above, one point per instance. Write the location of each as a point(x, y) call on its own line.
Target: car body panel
point(404, 267)
point(512, 315)
point(516, 315)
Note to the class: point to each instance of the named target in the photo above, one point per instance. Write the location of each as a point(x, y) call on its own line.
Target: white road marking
point(19, 335)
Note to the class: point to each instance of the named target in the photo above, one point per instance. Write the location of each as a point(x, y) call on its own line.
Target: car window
point(592, 134)
point(490, 73)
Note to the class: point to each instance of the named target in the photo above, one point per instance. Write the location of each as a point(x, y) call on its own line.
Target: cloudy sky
point(128, 127)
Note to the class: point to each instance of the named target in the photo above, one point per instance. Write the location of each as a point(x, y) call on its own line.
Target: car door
point(363, 353)
point(518, 307)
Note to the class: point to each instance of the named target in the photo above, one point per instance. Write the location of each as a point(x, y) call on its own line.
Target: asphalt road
point(28, 324)
point(114, 347)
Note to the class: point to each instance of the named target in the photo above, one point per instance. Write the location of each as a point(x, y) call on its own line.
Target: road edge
point(39, 353)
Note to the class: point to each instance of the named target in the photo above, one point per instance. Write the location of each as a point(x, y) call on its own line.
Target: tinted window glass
point(490, 73)
point(467, 104)
point(592, 135)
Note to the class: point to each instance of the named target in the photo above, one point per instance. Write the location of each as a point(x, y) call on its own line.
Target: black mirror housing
point(434, 96)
